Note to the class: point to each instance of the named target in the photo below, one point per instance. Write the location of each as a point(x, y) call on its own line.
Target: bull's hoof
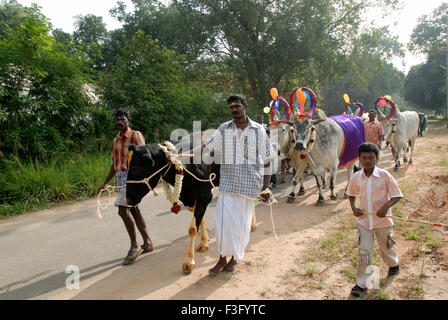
point(345, 196)
point(405, 160)
point(253, 228)
point(396, 168)
point(202, 247)
point(320, 203)
point(411, 162)
point(333, 197)
point(188, 267)
point(291, 199)
point(301, 192)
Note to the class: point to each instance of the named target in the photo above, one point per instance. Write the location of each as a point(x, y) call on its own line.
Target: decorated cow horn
point(384, 101)
point(298, 98)
point(393, 108)
point(361, 109)
point(274, 107)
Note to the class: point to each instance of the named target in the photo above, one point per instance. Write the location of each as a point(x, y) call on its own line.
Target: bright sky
point(61, 13)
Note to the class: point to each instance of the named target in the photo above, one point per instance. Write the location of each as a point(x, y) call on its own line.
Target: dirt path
point(310, 240)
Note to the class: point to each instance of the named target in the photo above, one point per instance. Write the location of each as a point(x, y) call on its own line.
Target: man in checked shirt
point(378, 192)
point(242, 148)
point(119, 167)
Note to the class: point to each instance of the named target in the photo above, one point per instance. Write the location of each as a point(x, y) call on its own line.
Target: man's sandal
point(144, 250)
point(131, 257)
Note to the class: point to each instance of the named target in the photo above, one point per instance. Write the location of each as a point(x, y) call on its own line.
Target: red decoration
point(175, 208)
point(302, 156)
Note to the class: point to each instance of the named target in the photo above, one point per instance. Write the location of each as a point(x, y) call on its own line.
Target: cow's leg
point(349, 175)
point(189, 263)
point(320, 201)
point(298, 176)
point(254, 222)
point(299, 173)
point(412, 145)
point(405, 151)
point(324, 182)
point(397, 157)
point(292, 194)
point(203, 246)
point(333, 173)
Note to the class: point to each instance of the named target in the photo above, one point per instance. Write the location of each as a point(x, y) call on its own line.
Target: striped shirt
point(373, 192)
point(242, 155)
point(121, 144)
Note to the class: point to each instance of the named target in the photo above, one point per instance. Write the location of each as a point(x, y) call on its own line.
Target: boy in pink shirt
point(378, 192)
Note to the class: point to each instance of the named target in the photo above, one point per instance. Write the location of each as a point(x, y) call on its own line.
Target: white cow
point(323, 140)
point(401, 130)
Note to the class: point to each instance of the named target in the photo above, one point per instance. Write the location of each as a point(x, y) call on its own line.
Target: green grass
point(310, 268)
point(444, 163)
point(411, 234)
point(382, 295)
point(349, 274)
point(28, 186)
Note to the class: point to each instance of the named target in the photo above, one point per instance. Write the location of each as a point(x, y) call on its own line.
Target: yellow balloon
point(346, 98)
point(274, 93)
point(388, 97)
point(267, 110)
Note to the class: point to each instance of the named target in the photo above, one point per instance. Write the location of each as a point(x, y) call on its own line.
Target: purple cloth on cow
point(354, 135)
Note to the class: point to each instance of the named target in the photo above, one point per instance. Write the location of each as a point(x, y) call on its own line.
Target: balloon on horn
point(301, 99)
point(346, 98)
point(267, 110)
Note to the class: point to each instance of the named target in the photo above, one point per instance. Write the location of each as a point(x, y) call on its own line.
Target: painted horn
point(361, 109)
point(392, 110)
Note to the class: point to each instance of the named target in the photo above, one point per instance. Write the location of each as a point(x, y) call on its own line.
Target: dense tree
point(90, 36)
point(148, 80)
point(43, 102)
point(369, 75)
point(426, 84)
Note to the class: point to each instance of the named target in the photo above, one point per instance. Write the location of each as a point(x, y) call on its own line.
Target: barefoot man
point(242, 148)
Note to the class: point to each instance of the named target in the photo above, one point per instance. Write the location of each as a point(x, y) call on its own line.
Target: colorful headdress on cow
point(276, 117)
point(349, 110)
point(383, 101)
point(361, 108)
point(298, 98)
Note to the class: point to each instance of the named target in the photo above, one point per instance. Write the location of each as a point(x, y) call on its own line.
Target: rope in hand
point(99, 207)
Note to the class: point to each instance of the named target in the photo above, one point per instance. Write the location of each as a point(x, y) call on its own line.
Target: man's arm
point(385, 207)
point(108, 178)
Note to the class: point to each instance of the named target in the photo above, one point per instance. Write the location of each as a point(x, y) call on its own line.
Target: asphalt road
point(36, 249)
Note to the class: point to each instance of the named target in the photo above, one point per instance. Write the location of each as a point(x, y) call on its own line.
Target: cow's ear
point(131, 147)
point(317, 121)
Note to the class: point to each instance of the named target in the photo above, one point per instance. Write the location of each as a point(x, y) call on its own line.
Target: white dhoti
point(233, 219)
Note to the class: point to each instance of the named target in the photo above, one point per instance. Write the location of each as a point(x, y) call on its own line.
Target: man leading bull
point(119, 167)
point(242, 148)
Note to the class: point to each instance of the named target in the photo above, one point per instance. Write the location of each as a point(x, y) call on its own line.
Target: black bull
point(148, 159)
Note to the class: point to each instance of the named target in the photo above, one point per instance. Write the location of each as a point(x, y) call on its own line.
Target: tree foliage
point(426, 84)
